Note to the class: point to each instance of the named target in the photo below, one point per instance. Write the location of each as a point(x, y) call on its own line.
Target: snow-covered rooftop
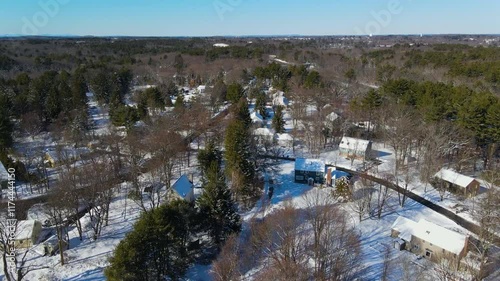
point(454, 177)
point(284, 137)
point(3, 173)
point(354, 144)
point(263, 132)
point(332, 117)
point(25, 229)
point(66, 153)
point(182, 186)
point(451, 241)
point(336, 174)
point(256, 117)
point(309, 165)
point(405, 227)
point(280, 99)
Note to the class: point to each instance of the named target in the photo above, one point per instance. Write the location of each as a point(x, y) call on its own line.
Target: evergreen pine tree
point(217, 207)
point(234, 92)
point(156, 249)
point(278, 122)
point(208, 156)
point(242, 113)
point(238, 157)
point(260, 104)
point(6, 126)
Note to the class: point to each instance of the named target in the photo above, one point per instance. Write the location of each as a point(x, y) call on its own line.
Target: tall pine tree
point(217, 207)
point(156, 249)
point(278, 121)
point(239, 167)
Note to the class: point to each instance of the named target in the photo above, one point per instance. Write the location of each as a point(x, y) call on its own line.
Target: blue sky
point(248, 17)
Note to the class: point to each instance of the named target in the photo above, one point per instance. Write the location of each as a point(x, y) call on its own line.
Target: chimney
point(329, 176)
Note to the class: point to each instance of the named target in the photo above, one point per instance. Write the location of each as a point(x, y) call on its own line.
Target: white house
point(201, 89)
point(355, 148)
point(257, 118)
point(285, 140)
point(184, 189)
point(429, 240)
point(467, 184)
point(279, 99)
point(221, 45)
point(27, 233)
point(263, 135)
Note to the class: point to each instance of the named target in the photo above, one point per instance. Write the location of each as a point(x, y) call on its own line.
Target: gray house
point(310, 171)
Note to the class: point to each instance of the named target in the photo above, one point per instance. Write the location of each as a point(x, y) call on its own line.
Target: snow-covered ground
point(98, 116)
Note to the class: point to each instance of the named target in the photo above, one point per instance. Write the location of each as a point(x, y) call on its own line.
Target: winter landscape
point(180, 156)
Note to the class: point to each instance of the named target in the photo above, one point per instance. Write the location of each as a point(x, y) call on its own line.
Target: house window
point(299, 178)
point(428, 254)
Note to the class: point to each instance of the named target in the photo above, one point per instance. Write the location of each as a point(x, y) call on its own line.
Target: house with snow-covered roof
point(429, 240)
point(467, 185)
point(279, 99)
point(355, 148)
point(263, 135)
point(257, 119)
point(27, 233)
point(284, 140)
point(183, 188)
point(201, 89)
point(333, 175)
point(310, 171)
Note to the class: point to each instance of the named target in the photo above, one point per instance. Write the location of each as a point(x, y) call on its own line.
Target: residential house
point(333, 175)
point(201, 89)
point(184, 189)
point(284, 140)
point(429, 240)
point(468, 185)
point(309, 171)
point(355, 148)
point(263, 135)
point(257, 119)
point(57, 157)
point(279, 99)
point(27, 233)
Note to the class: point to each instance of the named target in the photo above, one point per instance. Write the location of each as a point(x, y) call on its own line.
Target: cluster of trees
point(280, 76)
point(236, 52)
point(53, 98)
point(240, 160)
point(285, 242)
point(461, 60)
point(163, 241)
point(6, 63)
point(435, 124)
point(475, 111)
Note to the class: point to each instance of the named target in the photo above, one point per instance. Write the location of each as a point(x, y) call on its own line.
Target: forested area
point(148, 111)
